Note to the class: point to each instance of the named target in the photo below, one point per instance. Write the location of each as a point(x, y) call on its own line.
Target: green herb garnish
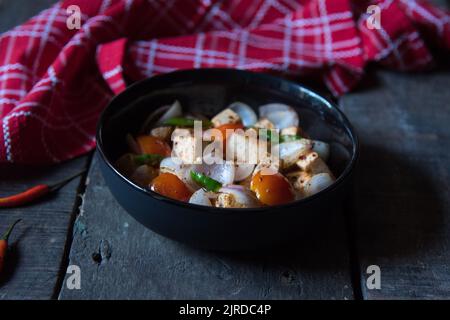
point(209, 184)
point(148, 159)
point(186, 122)
point(269, 135)
point(289, 137)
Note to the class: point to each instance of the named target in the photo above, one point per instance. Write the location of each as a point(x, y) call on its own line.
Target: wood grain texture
point(402, 190)
point(144, 265)
point(38, 242)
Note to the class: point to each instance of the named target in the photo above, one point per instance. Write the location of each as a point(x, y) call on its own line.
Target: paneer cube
point(313, 164)
point(230, 200)
point(225, 117)
point(299, 179)
point(267, 164)
point(290, 152)
point(264, 123)
point(226, 200)
point(186, 146)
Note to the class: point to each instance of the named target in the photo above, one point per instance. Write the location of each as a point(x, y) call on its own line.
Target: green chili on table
point(186, 122)
point(209, 184)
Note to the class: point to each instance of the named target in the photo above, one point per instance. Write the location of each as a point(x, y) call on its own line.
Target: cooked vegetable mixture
point(237, 159)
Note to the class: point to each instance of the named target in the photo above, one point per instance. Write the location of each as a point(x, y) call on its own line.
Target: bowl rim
point(331, 105)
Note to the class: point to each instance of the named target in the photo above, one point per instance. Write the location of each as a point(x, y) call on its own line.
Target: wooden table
point(398, 219)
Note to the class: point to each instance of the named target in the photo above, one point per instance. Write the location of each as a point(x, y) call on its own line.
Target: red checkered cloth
point(55, 81)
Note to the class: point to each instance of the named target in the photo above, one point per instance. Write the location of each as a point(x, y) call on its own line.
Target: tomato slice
point(153, 145)
point(171, 186)
point(272, 189)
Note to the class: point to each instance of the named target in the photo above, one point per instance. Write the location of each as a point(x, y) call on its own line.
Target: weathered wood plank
point(144, 265)
point(402, 195)
point(38, 244)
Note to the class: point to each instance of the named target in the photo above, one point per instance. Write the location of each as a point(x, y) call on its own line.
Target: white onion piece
point(268, 164)
point(318, 183)
point(322, 149)
point(281, 115)
point(290, 152)
point(243, 171)
point(174, 111)
point(143, 175)
point(234, 187)
point(283, 119)
point(200, 197)
point(273, 107)
point(241, 195)
point(221, 171)
point(126, 164)
point(245, 112)
point(187, 179)
point(160, 115)
point(172, 165)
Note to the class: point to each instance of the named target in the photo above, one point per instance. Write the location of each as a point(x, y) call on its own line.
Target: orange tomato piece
point(171, 186)
point(272, 189)
point(153, 145)
point(223, 130)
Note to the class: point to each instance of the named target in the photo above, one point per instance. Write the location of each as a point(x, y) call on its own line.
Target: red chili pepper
point(33, 193)
point(25, 197)
point(4, 244)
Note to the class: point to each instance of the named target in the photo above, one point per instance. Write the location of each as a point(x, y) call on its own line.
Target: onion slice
point(220, 170)
point(162, 114)
point(281, 115)
point(200, 197)
point(245, 112)
point(322, 149)
point(318, 183)
point(243, 171)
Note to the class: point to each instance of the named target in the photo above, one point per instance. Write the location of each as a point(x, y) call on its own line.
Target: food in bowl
point(236, 159)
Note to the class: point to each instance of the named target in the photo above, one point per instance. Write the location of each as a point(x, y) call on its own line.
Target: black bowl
point(209, 91)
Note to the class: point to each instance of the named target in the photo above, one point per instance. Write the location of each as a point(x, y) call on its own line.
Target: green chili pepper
point(289, 137)
point(186, 122)
point(268, 135)
point(206, 182)
point(148, 159)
